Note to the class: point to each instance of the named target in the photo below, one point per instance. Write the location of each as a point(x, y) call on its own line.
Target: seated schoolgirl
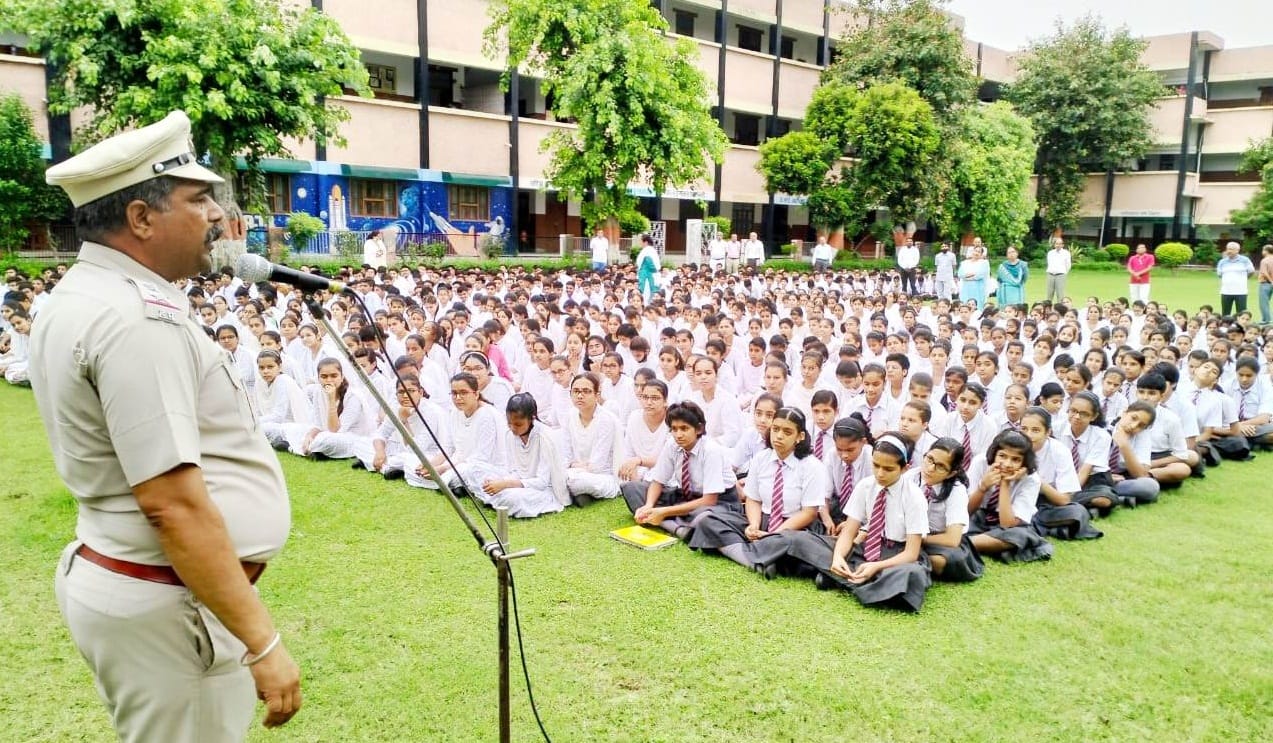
point(969, 425)
point(1057, 515)
point(887, 568)
point(1113, 400)
point(471, 442)
point(646, 431)
point(490, 385)
point(877, 409)
point(386, 453)
point(1089, 445)
point(824, 406)
point(279, 399)
point(338, 420)
point(1050, 398)
point(1016, 398)
point(785, 487)
point(531, 481)
point(1130, 455)
point(942, 480)
point(1003, 498)
point(850, 464)
point(588, 443)
point(753, 441)
point(691, 475)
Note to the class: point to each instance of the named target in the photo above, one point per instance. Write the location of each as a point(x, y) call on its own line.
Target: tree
point(1090, 98)
point(640, 103)
point(24, 196)
point(894, 139)
point(1256, 217)
point(249, 73)
point(990, 172)
point(795, 163)
point(912, 42)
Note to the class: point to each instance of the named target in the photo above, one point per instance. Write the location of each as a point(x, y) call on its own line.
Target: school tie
point(846, 486)
point(967, 448)
point(1194, 397)
point(817, 444)
point(1074, 453)
point(950, 404)
point(875, 530)
point(1242, 410)
point(992, 506)
point(685, 474)
point(1113, 455)
point(1105, 408)
point(929, 494)
point(776, 516)
point(869, 412)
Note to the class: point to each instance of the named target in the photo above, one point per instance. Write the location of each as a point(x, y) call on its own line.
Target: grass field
point(1158, 631)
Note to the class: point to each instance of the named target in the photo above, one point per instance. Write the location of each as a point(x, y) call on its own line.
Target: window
point(787, 49)
point(470, 203)
point(746, 129)
point(685, 23)
point(368, 198)
point(781, 127)
point(749, 38)
point(1167, 162)
point(278, 193)
point(743, 219)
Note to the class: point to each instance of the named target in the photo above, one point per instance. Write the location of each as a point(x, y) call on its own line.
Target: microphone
point(253, 268)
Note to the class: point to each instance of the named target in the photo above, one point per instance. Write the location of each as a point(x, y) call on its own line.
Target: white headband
point(897, 442)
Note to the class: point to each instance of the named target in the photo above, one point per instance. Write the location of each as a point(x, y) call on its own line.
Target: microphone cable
point(468, 494)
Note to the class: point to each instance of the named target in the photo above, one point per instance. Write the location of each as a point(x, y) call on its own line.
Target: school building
point(441, 148)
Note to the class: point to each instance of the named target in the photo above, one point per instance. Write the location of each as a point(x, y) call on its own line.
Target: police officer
point(181, 500)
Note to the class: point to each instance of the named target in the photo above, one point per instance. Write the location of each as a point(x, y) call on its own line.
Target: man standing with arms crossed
point(944, 273)
point(1058, 271)
point(1138, 268)
point(1234, 269)
point(181, 500)
point(907, 262)
point(599, 248)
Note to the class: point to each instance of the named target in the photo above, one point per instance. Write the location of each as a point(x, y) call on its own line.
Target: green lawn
point(1185, 288)
point(1158, 631)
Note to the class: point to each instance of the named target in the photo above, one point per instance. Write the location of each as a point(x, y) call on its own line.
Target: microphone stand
point(496, 549)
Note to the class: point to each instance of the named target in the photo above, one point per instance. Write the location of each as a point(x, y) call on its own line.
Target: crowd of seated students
point(827, 426)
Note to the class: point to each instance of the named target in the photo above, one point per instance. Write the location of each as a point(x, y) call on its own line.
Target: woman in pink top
point(1138, 268)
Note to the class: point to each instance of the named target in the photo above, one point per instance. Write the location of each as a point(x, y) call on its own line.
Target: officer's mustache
point(214, 234)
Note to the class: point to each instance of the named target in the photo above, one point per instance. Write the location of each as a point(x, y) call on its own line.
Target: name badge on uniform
point(157, 305)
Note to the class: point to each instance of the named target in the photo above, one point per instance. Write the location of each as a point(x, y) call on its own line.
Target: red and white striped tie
point(817, 444)
point(967, 448)
point(685, 474)
point(846, 486)
point(1074, 454)
point(875, 529)
point(776, 516)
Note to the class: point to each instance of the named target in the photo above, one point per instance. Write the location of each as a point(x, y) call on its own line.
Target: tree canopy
point(1089, 97)
point(641, 103)
point(1256, 216)
point(249, 73)
point(24, 196)
point(990, 174)
point(912, 42)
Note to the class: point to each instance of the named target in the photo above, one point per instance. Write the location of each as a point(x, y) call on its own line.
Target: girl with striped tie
point(1016, 398)
point(824, 407)
point(1057, 515)
point(887, 566)
point(850, 463)
point(785, 487)
point(970, 425)
point(1003, 500)
point(1090, 447)
point(942, 480)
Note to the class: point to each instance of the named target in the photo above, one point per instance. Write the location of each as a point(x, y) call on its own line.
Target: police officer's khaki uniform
point(130, 387)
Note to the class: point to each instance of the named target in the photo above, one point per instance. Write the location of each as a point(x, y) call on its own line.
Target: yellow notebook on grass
point(646, 539)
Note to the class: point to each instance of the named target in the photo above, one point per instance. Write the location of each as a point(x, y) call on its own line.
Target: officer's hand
point(278, 684)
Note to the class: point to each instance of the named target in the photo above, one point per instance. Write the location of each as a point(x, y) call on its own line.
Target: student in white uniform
point(471, 443)
point(386, 453)
point(531, 481)
point(339, 421)
point(589, 443)
point(645, 433)
point(280, 401)
point(942, 480)
point(724, 419)
point(1003, 501)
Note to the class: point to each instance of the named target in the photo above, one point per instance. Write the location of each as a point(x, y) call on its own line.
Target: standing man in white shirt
point(1058, 270)
point(599, 246)
point(1234, 270)
point(907, 262)
point(944, 280)
point(823, 253)
point(716, 253)
point(733, 251)
point(753, 251)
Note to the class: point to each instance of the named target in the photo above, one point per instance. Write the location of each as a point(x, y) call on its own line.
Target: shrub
point(1118, 251)
point(349, 247)
point(1171, 255)
point(1206, 254)
point(1101, 255)
point(302, 228)
point(722, 225)
point(492, 246)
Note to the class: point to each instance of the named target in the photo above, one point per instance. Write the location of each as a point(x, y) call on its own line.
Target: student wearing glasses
point(473, 430)
point(589, 443)
point(386, 453)
point(942, 480)
point(645, 432)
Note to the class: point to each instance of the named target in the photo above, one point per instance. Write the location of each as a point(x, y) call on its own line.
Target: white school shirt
point(905, 509)
point(592, 444)
point(1141, 446)
point(1025, 492)
point(710, 471)
point(836, 469)
point(1166, 434)
point(804, 482)
point(882, 416)
point(724, 417)
point(981, 430)
point(1094, 447)
point(355, 418)
point(1112, 407)
point(941, 514)
point(433, 416)
point(828, 442)
point(1255, 400)
point(1056, 466)
point(475, 438)
point(640, 441)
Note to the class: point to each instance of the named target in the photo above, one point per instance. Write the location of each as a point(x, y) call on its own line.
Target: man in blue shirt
point(1233, 269)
